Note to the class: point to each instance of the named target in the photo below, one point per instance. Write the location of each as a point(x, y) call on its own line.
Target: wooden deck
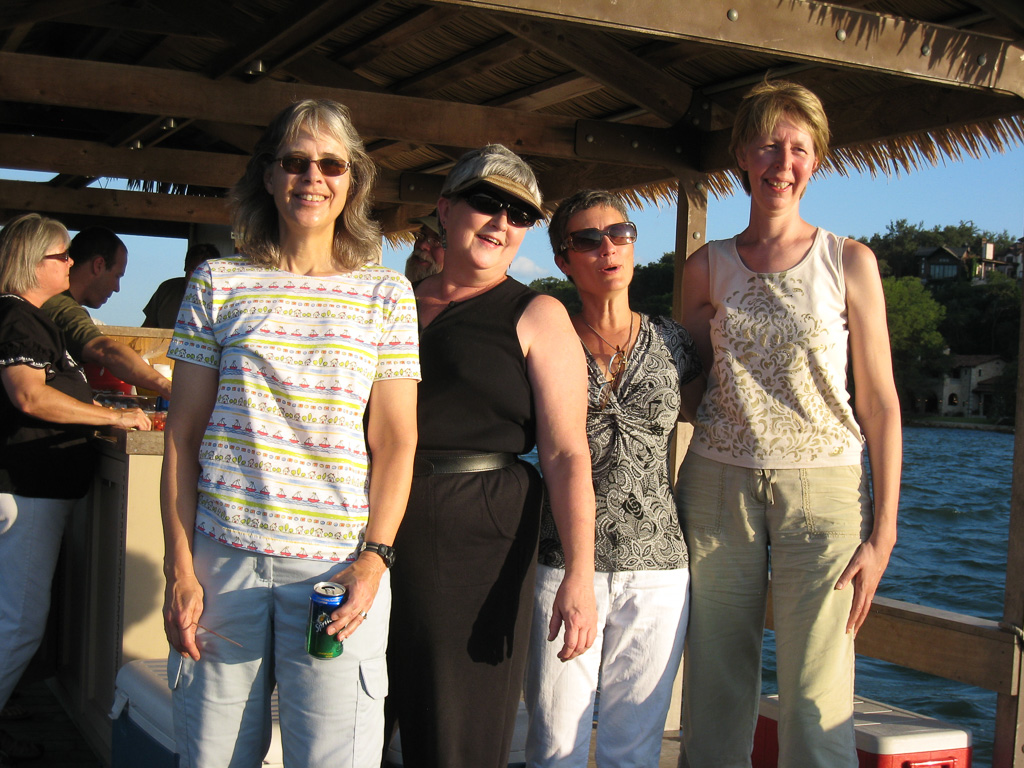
point(50, 725)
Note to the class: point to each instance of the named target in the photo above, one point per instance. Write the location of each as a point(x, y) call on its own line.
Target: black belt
point(429, 463)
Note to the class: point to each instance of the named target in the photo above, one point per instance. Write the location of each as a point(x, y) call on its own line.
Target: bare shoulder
point(545, 323)
point(859, 262)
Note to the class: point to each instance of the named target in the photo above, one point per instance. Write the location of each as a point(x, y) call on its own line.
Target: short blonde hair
point(357, 237)
point(23, 243)
point(769, 102)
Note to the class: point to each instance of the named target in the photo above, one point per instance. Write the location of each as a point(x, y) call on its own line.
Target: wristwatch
point(387, 554)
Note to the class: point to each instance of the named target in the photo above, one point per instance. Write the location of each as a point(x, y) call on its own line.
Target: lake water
point(951, 554)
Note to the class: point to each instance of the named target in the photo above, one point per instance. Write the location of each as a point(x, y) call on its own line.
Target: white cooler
point(143, 733)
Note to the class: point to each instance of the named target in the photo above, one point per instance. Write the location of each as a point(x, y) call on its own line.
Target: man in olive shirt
point(100, 260)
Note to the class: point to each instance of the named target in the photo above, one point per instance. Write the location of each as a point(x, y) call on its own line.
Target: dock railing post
point(1008, 749)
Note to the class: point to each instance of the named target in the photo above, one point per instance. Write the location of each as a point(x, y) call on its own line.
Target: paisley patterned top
point(777, 392)
point(284, 464)
point(637, 524)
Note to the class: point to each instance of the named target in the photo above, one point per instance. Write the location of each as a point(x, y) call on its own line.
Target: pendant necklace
point(616, 363)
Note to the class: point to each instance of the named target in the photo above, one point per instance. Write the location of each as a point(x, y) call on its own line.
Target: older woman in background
point(773, 475)
point(643, 374)
point(502, 370)
point(46, 462)
point(272, 482)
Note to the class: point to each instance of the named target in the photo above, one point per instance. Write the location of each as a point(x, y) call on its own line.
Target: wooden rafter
point(595, 54)
point(807, 31)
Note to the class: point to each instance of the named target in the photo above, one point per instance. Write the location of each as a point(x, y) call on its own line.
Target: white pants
point(30, 534)
point(331, 710)
point(641, 619)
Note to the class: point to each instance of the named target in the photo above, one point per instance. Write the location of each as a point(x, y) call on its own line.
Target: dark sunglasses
point(485, 202)
point(64, 256)
point(588, 239)
point(329, 166)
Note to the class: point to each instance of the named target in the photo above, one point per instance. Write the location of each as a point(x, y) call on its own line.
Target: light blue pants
point(807, 524)
point(331, 711)
point(30, 534)
point(641, 620)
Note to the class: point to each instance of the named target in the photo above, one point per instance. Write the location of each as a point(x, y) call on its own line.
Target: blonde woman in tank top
point(773, 479)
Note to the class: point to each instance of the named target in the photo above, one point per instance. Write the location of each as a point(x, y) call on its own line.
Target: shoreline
point(1006, 429)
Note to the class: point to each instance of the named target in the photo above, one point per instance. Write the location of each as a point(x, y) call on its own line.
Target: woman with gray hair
point(644, 376)
point(46, 417)
point(296, 373)
point(502, 372)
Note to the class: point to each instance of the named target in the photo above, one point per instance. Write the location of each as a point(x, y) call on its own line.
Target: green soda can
point(326, 597)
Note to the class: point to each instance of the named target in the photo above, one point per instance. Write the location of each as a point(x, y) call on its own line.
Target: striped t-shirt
point(283, 464)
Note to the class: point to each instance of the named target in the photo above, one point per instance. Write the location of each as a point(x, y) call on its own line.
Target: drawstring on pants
point(765, 479)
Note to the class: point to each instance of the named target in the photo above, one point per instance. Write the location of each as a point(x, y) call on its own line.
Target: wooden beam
point(943, 643)
point(152, 91)
point(33, 13)
point(94, 159)
point(1008, 749)
point(35, 196)
point(481, 59)
point(843, 37)
point(598, 56)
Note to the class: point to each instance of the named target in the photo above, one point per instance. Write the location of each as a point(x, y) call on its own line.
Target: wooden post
point(691, 232)
point(1008, 750)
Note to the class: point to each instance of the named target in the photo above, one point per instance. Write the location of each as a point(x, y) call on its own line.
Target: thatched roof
point(633, 96)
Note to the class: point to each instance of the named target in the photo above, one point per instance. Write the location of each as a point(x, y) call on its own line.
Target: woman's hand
point(865, 572)
point(576, 608)
point(133, 418)
point(183, 605)
point(361, 581)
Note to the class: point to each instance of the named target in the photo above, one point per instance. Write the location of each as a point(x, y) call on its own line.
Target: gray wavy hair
point(357, 238)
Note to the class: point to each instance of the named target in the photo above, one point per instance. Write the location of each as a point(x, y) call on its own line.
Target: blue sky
point(989, 192)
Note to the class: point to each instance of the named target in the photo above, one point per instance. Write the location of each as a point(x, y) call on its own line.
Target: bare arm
point(186, 423)
point(878, 411)
point(26, 387)
point(697, 308)
point(391, 436)
point(125, 363)
point(558, 375)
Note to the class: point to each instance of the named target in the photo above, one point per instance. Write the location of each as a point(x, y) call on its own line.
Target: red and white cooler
point(887, 737)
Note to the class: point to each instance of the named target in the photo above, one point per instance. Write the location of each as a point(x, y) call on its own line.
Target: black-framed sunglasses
point(485, 202)
point(329, 166)
point(583, 240)
point(64, 256)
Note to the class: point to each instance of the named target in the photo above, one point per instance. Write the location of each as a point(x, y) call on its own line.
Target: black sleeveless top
point(474, 393)
point(40, 459)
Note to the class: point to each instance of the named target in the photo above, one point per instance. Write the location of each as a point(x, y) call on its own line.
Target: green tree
point(562, 290)
point(981, 319)
point(651, 289)
point(917, 345)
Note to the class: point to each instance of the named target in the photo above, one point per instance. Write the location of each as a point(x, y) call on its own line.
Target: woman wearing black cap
point(502, 371)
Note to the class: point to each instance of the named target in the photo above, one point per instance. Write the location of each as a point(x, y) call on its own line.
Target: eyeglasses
point(427, 238)
point(484, 202)
point(64, 256)
point(588, 239)
point(329, 166)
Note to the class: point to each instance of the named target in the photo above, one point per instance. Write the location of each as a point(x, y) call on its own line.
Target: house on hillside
point(942, 263)
point(968, 389)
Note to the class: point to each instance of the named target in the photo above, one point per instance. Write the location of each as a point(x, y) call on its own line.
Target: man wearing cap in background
point(427, 256)
point(100, 260)
point(162, 309)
